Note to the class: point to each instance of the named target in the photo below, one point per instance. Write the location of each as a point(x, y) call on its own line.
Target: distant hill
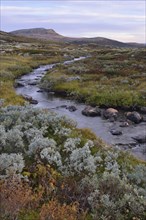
point(50, 34)
point(134, 44)
point(39, 33)
point(8, 37)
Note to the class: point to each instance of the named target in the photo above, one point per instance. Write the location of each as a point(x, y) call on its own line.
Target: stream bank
point(28, 86)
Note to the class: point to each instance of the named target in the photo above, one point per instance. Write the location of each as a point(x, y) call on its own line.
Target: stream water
point(29, 86)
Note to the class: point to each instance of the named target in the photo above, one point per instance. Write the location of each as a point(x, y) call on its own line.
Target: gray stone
point(140, 139)
point(124, 124)
point(27, 97)
point(32, 83)
point(30, 99)
point(91, 111)
point(62, 106)
point(19, 84)
point(110, 113)
point(71, 108)
point(116, 132)
point(33, 101)
point(134, 117)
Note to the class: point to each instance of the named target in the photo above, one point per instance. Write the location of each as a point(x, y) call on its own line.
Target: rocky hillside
point(39, 33)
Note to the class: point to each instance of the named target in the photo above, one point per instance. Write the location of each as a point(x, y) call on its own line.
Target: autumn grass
point(12, 67)
point(7, 93)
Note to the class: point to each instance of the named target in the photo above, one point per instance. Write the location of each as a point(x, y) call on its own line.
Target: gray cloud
point(78, 18)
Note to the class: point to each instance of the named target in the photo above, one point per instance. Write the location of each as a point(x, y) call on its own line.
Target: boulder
point(140, 139)
point(40, 90)
point(32, 83)
point(134, 117)
point(30, 99)
point(27, 97)
point(116, 132)
point(62, 106)
point(33, 101)
point(19, 84)
point(91, 111)
point(71, 108)
point(124, 124)
point(110, 113)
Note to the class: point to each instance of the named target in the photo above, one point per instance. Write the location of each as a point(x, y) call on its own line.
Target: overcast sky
point(122, 20)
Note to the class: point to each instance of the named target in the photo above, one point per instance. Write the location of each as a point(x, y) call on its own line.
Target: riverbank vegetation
point(110, 77)
point(18, 58)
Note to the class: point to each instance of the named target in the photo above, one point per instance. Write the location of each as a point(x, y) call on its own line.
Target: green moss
point(28, 215)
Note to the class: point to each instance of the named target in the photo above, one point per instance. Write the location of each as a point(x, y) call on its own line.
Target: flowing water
point(98, 125)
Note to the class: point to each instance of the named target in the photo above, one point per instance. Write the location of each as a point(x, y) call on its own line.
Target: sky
point(122, 20)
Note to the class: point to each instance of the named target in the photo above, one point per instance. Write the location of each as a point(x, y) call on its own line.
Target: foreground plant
point(62, 172)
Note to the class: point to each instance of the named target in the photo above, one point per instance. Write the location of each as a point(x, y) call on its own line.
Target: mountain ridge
point(51, 34)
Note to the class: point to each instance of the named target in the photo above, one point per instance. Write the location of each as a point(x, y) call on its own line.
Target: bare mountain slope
point(39, 33)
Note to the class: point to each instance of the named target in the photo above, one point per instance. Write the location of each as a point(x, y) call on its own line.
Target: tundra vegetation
point(110, 77)
point(50, 169)
point(18, 58)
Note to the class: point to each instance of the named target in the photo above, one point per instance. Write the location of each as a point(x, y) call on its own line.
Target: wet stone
point(116, 132)
point(124, 124)
point(140, 139)
point(33, 101)
point(71, 108)
point(110, 113)
point(134, 117)
point(91, 111)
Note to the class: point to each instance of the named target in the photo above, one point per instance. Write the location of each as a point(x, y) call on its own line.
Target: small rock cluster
point(113, 115)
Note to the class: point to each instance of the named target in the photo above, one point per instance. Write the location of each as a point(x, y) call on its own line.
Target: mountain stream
point(101, 127)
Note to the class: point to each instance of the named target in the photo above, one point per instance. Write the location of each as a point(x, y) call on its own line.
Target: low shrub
point(58, 171)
